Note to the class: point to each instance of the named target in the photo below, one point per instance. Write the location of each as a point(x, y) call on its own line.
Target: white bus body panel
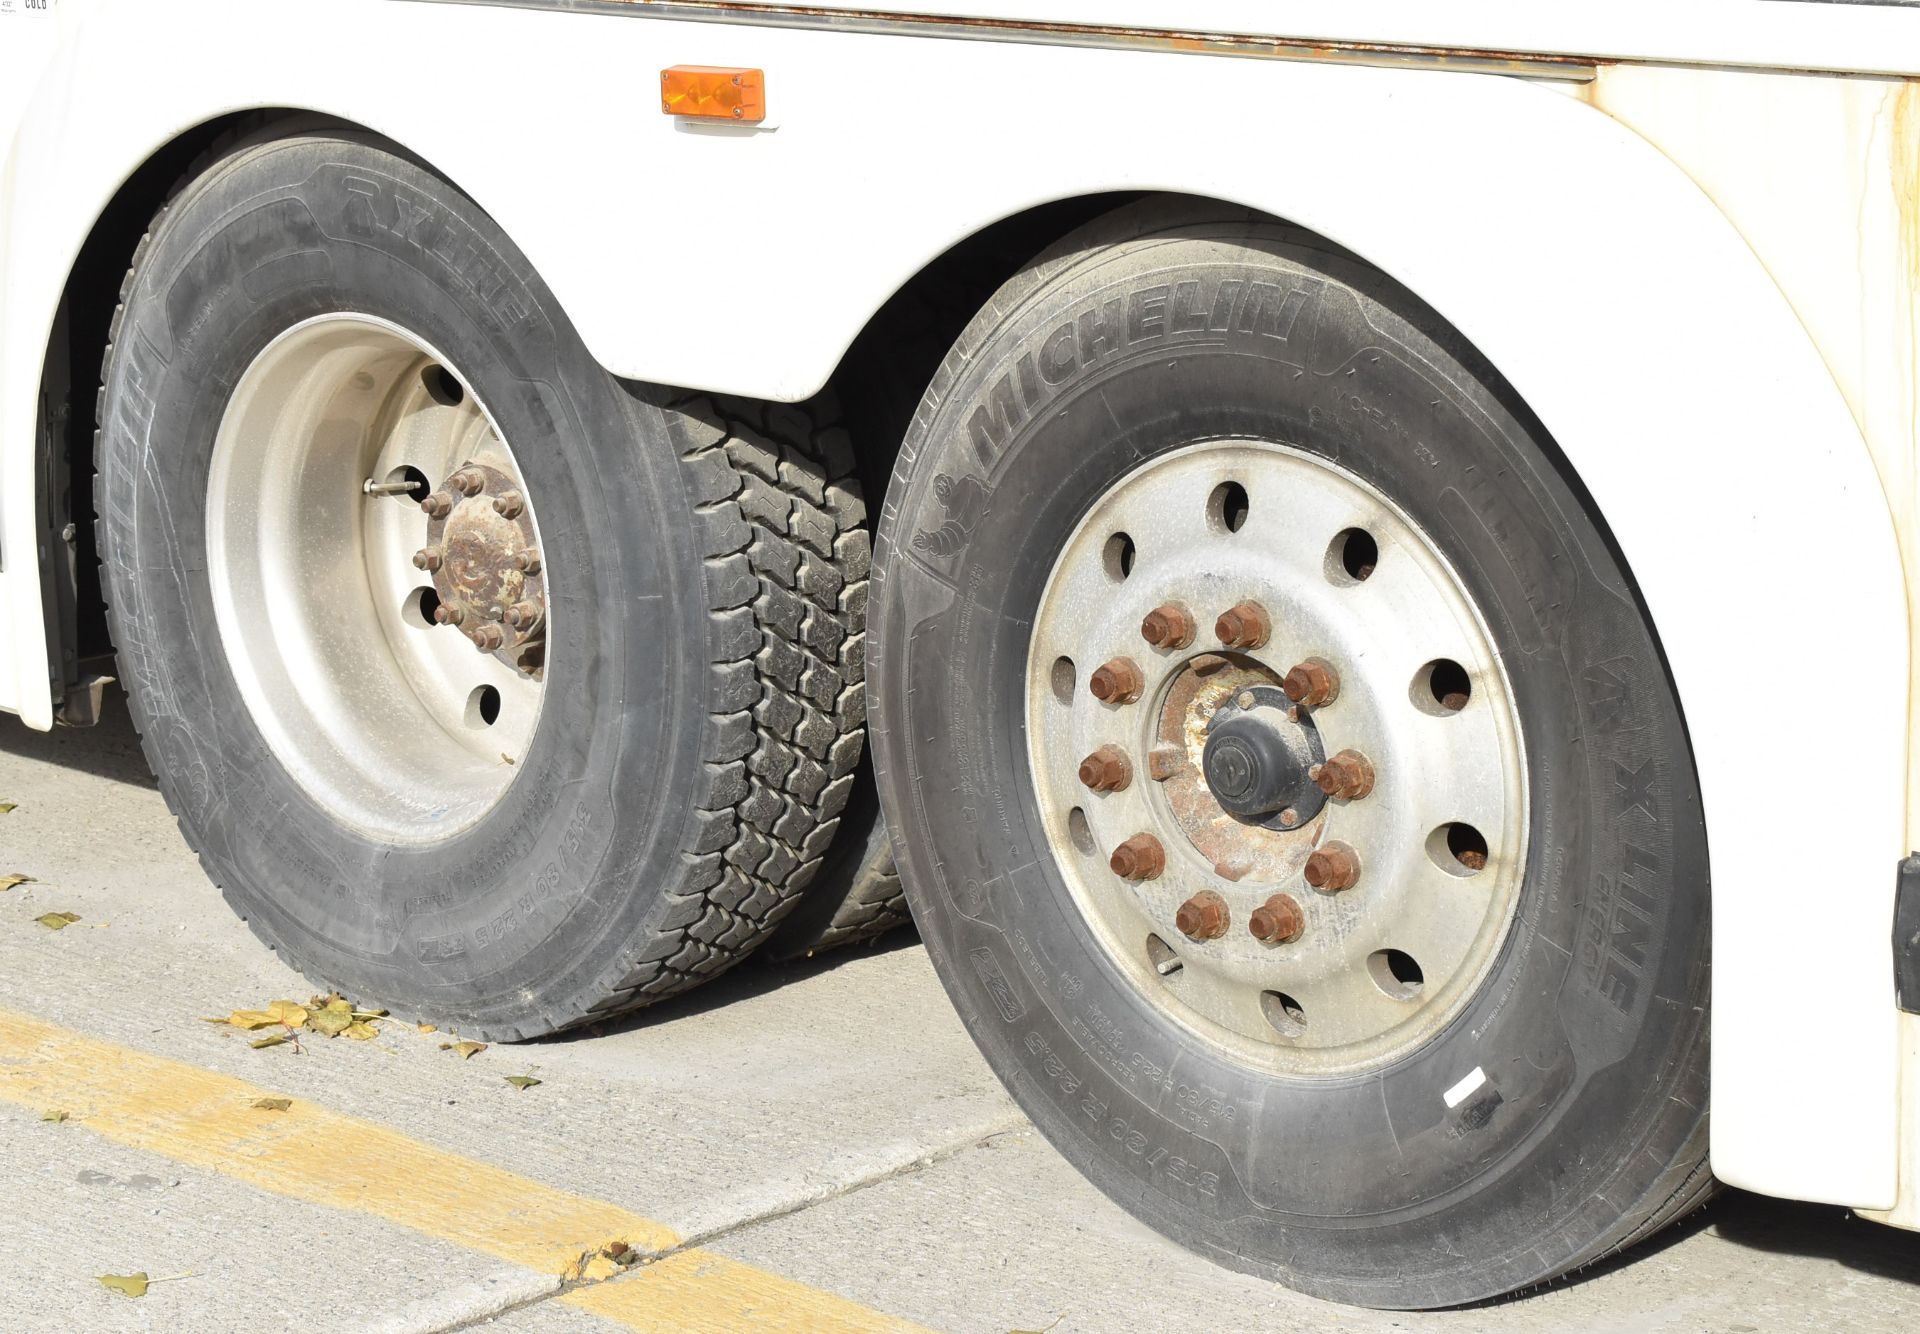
point(1616, 296)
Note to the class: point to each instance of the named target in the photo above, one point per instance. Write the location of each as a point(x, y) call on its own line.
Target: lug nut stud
point(1139, 858)
point(426, 559)
point(1168, 625)
point(1348, 775)
point(1117, 682)
point(1163, 762)
point(521, 615)
point(468, 481)
point(447, 614)
point(527, 562)
point(1244, 625)
point(438, 505)
point(1311, 683)
point(1231, 870)
point(509, 504)
point(488, 638)
point(1332, 868)
point(1277, 921)
point(1106, 770)
point(1203, 917)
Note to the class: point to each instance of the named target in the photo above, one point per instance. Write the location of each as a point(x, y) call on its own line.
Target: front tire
point(1240, 1043)
point(569, 741)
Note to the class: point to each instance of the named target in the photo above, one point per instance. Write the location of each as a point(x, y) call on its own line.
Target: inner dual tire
point(573, 738)
point(1186, 410)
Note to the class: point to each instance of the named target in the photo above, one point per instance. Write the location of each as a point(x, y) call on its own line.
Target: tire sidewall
point(1590, 1019)
point(530, 901)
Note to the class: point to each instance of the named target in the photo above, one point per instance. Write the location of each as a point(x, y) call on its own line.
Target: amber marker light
point(714, 92)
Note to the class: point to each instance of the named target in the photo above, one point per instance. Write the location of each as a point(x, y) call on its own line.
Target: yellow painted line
point(695, 1291)
point(320, 1156)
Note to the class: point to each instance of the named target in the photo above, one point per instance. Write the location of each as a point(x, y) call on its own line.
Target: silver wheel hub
point(375, 564)
point(1277, 757)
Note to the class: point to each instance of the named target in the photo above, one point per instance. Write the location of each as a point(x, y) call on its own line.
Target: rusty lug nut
point(1139, 858)
point(1117, 682)
point(509, 504)
point(1348, 775)
point(1277, 921)
point(447, 614)
point(527, 562)
point(521, 615)
point(1203, 917)
point(426, 559)
point(1106, 770)
point(1231, 870)
point(489, 638)
point(1168, 625)
point(1163, 762)
point(438, 505)
point(468, 481)
point(1311, 683)
point(1333, 867)
point(1244, 625)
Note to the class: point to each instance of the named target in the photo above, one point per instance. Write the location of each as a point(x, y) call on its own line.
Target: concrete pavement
point(792, 1147)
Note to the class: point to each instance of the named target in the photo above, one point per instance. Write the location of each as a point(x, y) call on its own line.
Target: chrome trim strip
point(826, 18)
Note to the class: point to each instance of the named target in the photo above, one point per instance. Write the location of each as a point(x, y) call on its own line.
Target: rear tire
point(1547, 1109)
point(680, 753)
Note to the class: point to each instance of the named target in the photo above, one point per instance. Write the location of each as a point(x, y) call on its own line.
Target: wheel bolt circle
point(1139, 858)
point(1311, 683)
point(426, 559)
point(438, 505)
point(509, 504)
point(1348, 775)
point(1117, 682)
point(1244, 625)
point(1203, 917)
point(1168, 625)
point(1333, 867)
point(488, 638)
point(1106, 770)
point(1278, 920)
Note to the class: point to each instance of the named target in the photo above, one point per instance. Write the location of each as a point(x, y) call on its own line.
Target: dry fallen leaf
point(331, 1020)
point(359, 1031)
point(15, 878)
point(131, 1285)
point(273, 1104)
point(6, 806)
point(469, 1050)
point(273, 1040)
point(428, 1028)
point(56, 921)
point(54, 1115)
point(522, 1081)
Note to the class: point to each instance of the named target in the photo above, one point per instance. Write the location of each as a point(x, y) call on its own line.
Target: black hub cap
point(1257, 759)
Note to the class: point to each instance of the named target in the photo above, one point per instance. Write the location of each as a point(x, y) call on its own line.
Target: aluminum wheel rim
point(1206, 528)
point(395, 724)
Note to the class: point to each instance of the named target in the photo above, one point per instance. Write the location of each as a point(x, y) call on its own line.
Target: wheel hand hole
point(1396, 973)
point(1161, 955)
point(1285, 1013)
point(1352, 556)
point(1458, 849)
point(1118, 557)
point(418, 487)
point(440, 385)
point(1227, 507)
point(419, 607)
point(483, 707)
point(1077, 829)
point(1442, 688)
point(1062, 679)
